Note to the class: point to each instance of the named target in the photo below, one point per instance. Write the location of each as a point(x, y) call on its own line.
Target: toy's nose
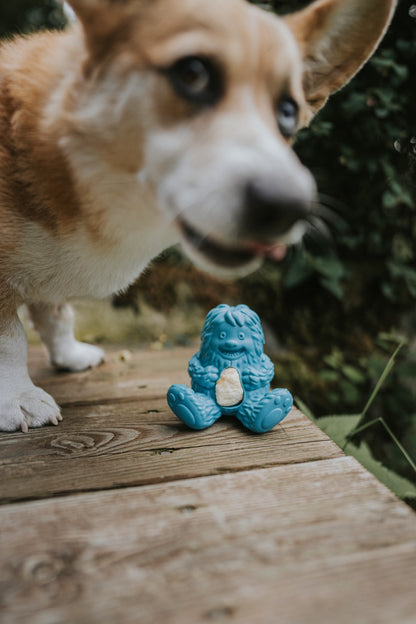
point(231, 345)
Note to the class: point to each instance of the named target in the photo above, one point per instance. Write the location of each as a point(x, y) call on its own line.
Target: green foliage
point(361, 147)
point(345, 429)
point(24, 16)
point(339, 429)
point(337, 304)
point(326, 267)
point(348, 291)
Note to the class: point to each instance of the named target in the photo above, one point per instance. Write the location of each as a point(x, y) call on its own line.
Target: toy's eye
point(288, 117)
point(223, 335)
point(241, 335)
point(196, 79)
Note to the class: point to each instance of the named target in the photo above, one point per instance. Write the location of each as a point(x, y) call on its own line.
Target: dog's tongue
point(274, 252)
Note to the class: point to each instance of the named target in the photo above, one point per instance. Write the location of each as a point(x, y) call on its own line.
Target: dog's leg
point(55, 324)
point(22, 404)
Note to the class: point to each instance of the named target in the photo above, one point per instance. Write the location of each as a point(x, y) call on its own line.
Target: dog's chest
point(89, 264)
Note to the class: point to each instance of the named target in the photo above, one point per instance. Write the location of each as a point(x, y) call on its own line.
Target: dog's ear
point(336, 37)
point(103, 21)
point(85, 9)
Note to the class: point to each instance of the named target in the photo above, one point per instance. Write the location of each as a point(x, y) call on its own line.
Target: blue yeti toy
point(231, 375)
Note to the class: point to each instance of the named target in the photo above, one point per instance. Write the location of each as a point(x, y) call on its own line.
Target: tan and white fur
point(145, 124)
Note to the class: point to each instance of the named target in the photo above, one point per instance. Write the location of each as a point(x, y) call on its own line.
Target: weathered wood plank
point(319, 543)
point(142, 375)
point(116, 433)
point(100, 447)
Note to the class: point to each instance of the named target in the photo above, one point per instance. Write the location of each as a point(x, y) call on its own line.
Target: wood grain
point(144, 521)
point(318, 542)
point(141, 375)
point(118, 447)
point(108, 440)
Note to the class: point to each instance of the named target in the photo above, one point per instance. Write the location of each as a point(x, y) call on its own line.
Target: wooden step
point(123, 515)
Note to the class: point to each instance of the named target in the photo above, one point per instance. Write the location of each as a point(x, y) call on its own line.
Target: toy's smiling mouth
point(232, 256)
point(231, 354)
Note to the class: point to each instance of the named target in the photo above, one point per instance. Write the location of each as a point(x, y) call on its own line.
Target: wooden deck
point(122, 515)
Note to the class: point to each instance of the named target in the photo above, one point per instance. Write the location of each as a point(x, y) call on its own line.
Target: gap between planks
point(110, 440)
point(311, 538)
point(317, 543)
point(93, 453)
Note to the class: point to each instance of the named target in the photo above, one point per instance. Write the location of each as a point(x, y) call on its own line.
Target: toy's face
point(232, 343)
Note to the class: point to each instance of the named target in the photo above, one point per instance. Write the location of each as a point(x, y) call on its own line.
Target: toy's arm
point(259, 376)
point(205, 376)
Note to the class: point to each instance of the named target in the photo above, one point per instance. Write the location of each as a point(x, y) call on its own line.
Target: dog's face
point(206, 100)
point(228, 100)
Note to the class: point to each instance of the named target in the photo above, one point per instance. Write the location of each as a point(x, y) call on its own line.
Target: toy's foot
point(195, 410)
point(266, 414)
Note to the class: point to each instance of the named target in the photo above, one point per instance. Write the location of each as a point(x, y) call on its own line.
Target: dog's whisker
point(329, 215)
point(332, 202)
point(318, 230)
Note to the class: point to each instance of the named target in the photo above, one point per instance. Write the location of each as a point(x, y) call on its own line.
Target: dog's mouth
point(232, 256)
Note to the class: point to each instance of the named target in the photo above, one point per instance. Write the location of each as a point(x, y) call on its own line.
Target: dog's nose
point(271, 211)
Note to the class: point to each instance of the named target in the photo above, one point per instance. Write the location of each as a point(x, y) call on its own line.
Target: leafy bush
point(24, 16)
point(345, 303)
point(362, 149)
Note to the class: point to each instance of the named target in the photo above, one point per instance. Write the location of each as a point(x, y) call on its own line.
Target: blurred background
point(336, 309)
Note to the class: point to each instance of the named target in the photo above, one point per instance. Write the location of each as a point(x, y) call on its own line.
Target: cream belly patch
point(228, 389)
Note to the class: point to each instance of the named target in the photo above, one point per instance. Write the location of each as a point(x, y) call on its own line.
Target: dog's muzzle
point(267, 222)
point(270, 213)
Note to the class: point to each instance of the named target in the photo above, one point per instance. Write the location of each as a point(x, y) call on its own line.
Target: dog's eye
point(287, 117)
point(196, 79)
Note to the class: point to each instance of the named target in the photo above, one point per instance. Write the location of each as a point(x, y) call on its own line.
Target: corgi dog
point(145, 124)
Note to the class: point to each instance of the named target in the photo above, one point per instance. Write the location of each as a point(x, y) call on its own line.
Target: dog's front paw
point(77, 356)
point(32, 407)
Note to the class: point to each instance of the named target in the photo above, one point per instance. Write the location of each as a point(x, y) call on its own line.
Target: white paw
point(78, 356)
point(31, 407)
